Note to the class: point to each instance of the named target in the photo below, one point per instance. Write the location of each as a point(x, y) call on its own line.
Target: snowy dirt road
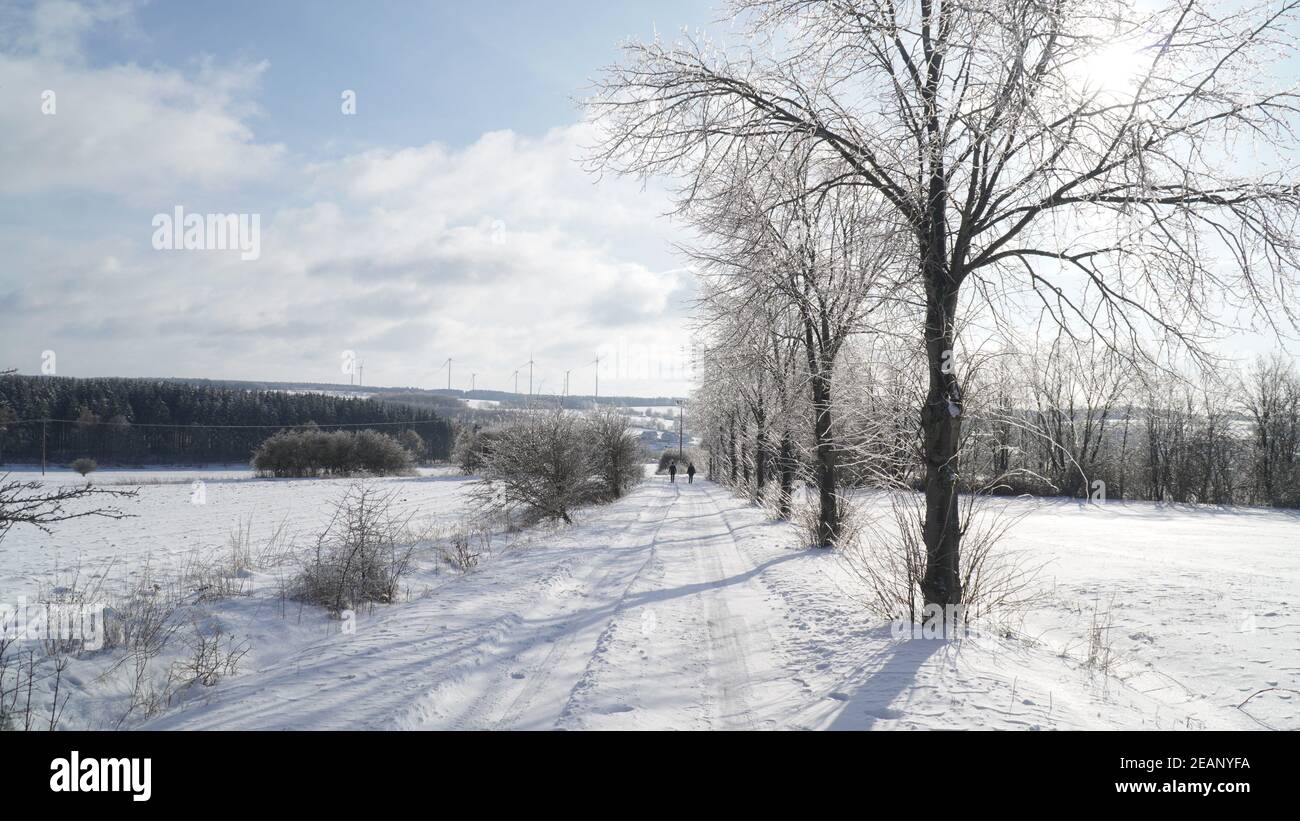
point(648, 615)
point(683, 607)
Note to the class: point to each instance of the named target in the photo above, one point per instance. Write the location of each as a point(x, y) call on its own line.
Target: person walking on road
point(690, 473)
point(672, 472)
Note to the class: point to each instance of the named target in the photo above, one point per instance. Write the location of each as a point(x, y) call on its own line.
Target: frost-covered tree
point(414, 444)
point(615, 452)
point(1076, 392)
point(539, 463)
point(1271, 397)
point(790, 265)
point(1125, 172)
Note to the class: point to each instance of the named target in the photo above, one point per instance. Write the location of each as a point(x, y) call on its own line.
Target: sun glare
point(1114, 69)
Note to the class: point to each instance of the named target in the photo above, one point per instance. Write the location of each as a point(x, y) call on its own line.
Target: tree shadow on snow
point(889, 672)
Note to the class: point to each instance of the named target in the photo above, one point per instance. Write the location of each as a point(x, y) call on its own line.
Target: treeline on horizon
point(126, 421)
point(434, 397)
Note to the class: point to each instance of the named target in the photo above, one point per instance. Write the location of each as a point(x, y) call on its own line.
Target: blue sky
point(447, 217)
point(422, 70)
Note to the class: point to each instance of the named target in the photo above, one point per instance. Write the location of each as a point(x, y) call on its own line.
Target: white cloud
point(483, 254)
point(407, 255)
point(129, 131)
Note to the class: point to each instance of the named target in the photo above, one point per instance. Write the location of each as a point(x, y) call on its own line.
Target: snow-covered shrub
point(807, 522)
point(472, 444)
point(19, 674)
point(540, 464)
point(616, 453)
point(214, 654)
point(144, 618)
point(414, 444)
point(310, 453)
point(887, 552)
point(361, 556)
point(84, 466)
point(1100, 656)
point(466, 544)
point(13, 672)
point(212, 580)
point(667, 458)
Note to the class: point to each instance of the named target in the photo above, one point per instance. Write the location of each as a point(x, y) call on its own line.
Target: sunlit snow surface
point(684, 607)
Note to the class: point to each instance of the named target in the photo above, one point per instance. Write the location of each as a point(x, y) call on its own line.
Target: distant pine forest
point(118, 421)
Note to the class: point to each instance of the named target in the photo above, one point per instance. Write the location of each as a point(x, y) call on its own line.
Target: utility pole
point(43, 421)
point(681, 428)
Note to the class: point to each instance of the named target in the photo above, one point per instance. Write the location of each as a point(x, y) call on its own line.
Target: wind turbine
point(529, 363)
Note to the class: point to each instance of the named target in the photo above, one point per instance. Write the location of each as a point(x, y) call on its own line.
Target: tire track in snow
point(746, 674)
point(547, 669)
point(711, 622)
point(652, 674)
point(505, 681)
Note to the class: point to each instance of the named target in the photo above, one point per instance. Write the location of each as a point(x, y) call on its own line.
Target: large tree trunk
point(941, 415)
point(744, 458)
point(760, 451)
point(786, 468)
point(1123, 451)
point(713, 457)
point(731, 448)
point(828, 515)
point(828, 522)
point(941, 430)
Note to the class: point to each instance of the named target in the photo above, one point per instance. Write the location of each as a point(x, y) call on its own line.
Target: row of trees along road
point(1120, 171)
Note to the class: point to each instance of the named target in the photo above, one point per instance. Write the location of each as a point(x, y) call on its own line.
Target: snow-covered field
point(173, 519)
point(683, 607)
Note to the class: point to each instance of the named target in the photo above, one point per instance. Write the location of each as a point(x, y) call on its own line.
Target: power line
point(439, 420)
